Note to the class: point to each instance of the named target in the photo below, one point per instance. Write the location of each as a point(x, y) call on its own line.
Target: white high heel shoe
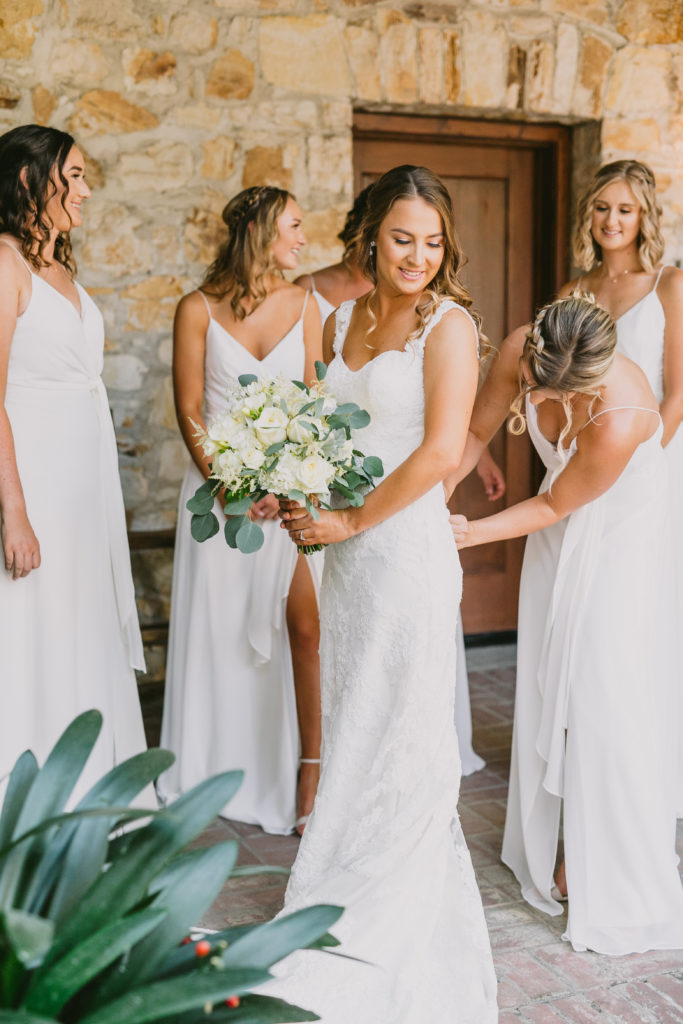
point(300, 822)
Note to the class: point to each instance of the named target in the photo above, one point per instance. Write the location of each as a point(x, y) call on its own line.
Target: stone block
point(264, 165)
point(78, 62)
point(44, 103)
point(103, 22)
point(452, 65)
point(111, 246)
point(150, 69)
point(162, 167)
point(305, 54)
point(218, 156)
point(104, 112)
point(198, 115)
point(530, 26)
point(594, 64)
point(516, 82)
point(566, 62)
point(431, 71)
point(654, 22)
point(362, 49)
point(635, 138)
point(484, 60)
point(321, 228)
point(397, 56)
point(192, 32)
point(640, 80)
point(94, 172)
point(172, 459)
point(123, 372)
point(231, 77)
point(9, 96)
point(204, 231)
point(151, 303)
point(596, 11)
point(539, 76)
point(330, 164)
point(18, 27)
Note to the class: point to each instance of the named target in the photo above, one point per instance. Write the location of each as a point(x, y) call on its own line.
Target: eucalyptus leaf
point(300, 384)
point(273, 448)
point(238, 506)
point(295, 495)
point(202, 527)
point(231, 529)
point(249, 537)
point(359, 419)
point(200, 503)
point(373, 465)
point(247, 378)
point(320, 370)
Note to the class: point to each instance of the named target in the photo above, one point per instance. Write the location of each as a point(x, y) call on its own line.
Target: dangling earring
point(372, 248)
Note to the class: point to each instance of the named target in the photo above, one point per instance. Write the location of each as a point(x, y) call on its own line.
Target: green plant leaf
point(247, 378)
point(232, 528)
point(359, 419)
point(373, 465)
point(185, 889)
point(239, 506)
point(320, 370)
point(273, 448)
point(249, 537)
point(353, 480)
point(266, 944)
point(22, 1017)
point(346, 408)
point(253, 1010)
point(51, 989)
point(295, 495)
point(148, 849)
point(200, 503)
point(202, 527)
point(300, 384)
point(245, 870)
point(20, 781)
point(29, 936)
point(173, 995)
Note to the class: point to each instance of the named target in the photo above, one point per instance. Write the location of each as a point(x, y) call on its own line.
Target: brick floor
point(541, 979)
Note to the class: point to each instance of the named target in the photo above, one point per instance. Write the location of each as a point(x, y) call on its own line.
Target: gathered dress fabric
point(69, 630)
point(640, 336)
point(384, 840)
point(229, 699)
point(594, 733)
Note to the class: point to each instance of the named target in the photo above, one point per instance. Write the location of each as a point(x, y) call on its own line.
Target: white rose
point(253, 457)
point(314, 474)
point(298, 433)
point(223, 428)
point(271, 426)
point(209, 447)
point(253, 403)
point(227, 466)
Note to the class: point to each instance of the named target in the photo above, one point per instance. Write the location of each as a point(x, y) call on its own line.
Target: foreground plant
point(94, 920)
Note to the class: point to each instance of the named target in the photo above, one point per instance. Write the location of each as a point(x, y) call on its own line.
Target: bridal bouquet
point(279, 437)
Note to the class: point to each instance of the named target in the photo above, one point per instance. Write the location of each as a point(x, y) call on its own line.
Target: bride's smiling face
point(410, 246)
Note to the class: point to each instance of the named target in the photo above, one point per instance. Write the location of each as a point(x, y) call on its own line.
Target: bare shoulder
point(191, 312)
point(455, 324)
point(12, 269)
point(671, 284)
point(512, 347)
point(571, 286)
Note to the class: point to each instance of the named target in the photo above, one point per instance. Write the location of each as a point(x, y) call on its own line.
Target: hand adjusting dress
point(69, 631)
point(384, 839)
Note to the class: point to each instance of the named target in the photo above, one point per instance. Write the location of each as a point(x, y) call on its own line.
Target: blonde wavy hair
point(244, 260)
point(641, 181)
point(411, 182)
point(569, 348)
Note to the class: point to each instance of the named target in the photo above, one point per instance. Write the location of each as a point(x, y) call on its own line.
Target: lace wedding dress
point(384, 840)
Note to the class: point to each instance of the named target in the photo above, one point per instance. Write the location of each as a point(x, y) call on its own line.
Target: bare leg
point(560, 879)
point(304, 638)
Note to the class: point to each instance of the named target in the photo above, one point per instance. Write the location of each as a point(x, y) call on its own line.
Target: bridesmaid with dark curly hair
point(68, 623)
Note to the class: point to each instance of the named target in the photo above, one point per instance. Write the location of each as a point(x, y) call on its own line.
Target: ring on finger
point(301, 535)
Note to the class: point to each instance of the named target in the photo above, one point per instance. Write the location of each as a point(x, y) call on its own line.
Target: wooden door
point(508, 184)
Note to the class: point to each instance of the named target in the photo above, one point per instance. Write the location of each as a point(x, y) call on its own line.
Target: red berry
point(203, 948)
point(186, 941)
point(233, 1002)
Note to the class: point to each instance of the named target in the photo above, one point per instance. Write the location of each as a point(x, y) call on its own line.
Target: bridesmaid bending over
point(593, 730)
point(243, 642)
point(69, 631)
point(619, 244)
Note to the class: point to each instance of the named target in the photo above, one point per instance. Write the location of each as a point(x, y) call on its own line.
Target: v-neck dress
point(229, 699)
point(69, 632)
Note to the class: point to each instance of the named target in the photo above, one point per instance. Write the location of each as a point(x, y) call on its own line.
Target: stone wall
point(179, 105)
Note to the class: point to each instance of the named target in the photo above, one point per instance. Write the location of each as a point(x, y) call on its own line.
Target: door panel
point(494, 185)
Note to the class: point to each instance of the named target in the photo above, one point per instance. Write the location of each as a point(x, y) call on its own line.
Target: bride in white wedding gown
point(384, 840)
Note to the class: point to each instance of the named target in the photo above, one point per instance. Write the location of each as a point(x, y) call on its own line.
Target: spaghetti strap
point(26, 263)
point(206, 302)
point(656, 284)
point(303, 308)
point(619, 408)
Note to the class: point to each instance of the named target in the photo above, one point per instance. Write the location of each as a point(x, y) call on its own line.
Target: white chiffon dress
point(593, 730)
point(69, 630)
point(640, 334)
point(229, 700)
point(384, 840)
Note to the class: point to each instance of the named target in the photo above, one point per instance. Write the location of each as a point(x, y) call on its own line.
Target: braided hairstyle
point(641, 181)
point(569, 348)
point(32, 159)
point(244, 262)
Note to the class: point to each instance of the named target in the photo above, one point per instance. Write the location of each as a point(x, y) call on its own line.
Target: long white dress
point(69, 631)
point(229, 700)
point(640, 334)
point(384, 840)
point(593, 727)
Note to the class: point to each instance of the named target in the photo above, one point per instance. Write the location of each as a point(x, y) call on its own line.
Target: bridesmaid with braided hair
point(596, 666)
point(242, 686)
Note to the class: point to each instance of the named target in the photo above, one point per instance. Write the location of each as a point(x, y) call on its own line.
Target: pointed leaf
point(20, 781)
point(22, 1017)
point(300, 384)
point(273, 448)
point(204, 527)
point(257, 1010)
point(249, 537)
point(50, 989)
point(266, 944)
point(320, 370)
point(29, 936)
point(247, 378)
point(173, 995)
